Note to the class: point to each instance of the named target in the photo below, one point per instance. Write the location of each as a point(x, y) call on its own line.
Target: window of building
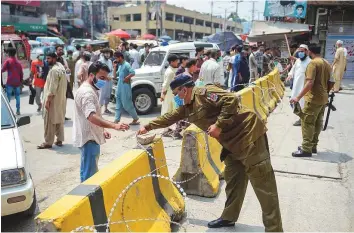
point(199, 22)
point(136, 17)
point(188, 20)
point(169, 16)
point(179, 18)
point(207, 23)
point(128, 18)
point(116, 18)
point(216, 25)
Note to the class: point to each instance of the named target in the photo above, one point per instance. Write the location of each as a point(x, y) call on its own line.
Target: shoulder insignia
point(212, 96)
point(201, 91)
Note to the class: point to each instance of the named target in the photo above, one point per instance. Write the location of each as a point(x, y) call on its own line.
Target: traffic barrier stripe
point(91, 202)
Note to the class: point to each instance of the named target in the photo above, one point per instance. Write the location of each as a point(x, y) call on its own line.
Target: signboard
point(279, 8)
point(28, 27)
point(24, 2)
point(348, 43)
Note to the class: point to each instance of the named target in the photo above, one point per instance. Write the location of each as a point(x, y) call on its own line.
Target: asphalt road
point(316, 194)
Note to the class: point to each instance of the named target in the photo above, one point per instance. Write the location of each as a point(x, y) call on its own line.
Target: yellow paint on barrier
point(91, 202)
point(207, 169)
point(66, 214)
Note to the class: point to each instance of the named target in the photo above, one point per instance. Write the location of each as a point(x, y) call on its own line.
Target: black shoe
point(220, 223)
point(297, 123)
point(301, 153)
point(314, 150)
point(67, 118)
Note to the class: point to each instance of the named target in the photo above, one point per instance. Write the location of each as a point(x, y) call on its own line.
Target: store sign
point(24, 3)
point(279, 8)
point(348, 43)
point(29, 27)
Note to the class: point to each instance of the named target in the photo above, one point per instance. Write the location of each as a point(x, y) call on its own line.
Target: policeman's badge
point(212, 96)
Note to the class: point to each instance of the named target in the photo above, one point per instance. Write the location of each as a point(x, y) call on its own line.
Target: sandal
point(44, 146)
point(134, 122)
point(59, 143)
point(108, 112)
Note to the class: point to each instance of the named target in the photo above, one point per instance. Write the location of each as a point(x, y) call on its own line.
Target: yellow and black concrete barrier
point(200, 163)
point(132, 193)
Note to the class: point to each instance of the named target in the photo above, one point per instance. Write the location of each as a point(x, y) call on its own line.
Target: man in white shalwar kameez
point(167, 97)
point(298, 74)
point(134, 54)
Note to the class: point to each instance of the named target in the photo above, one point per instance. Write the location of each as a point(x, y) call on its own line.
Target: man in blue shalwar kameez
point(124, 90)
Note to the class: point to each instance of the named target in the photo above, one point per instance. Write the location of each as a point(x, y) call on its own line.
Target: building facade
point(25, 16)
point(176, 22)
point(333, 20)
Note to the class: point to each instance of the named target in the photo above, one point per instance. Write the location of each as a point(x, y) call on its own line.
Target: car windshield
point(6, 118)
point(155, 58)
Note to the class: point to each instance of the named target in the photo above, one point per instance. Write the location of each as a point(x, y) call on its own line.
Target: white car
point(17, 188)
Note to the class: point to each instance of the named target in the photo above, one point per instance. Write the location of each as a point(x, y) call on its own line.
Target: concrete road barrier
point(249, 102)
point(268, 98)
point(200, 163)
point(127, 189)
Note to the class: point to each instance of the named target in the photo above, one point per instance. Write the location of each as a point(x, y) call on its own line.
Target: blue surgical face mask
point(301, 55)
point(178, 101)
point(99, 83)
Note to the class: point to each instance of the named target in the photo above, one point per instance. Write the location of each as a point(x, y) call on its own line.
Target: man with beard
point(88, 128)
point(124, 89)
point(297, 73)
point(55, 103)
point(318, 83)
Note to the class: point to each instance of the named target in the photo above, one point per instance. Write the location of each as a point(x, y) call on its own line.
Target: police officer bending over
point(245, 147)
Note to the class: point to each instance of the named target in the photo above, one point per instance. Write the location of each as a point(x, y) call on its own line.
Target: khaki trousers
point(311, 125)
point(52, 130)
point(257, 168)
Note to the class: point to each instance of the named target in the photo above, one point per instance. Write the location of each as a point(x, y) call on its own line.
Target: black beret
point(181, 80)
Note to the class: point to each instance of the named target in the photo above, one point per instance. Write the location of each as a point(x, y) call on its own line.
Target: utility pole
point(253, 10)
point(237, 2)
point(91, 14)
point(211, 17)
point(225, 21)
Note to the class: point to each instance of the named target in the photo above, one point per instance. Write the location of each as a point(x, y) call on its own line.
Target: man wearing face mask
point(297, 73)
point(106, 91)
point(88, 127)
point(124, 89)
point(245, 148)
point(318, 83)
point(54, 97)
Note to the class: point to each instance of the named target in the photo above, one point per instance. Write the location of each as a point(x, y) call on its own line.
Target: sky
point(204, 6)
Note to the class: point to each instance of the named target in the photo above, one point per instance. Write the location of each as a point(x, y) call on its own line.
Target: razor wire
point(122, 195)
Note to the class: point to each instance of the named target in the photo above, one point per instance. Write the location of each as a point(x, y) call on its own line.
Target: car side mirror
point(25, 120)
point(166, 65)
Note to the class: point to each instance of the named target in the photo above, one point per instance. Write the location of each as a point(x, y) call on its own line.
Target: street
point(316, 194)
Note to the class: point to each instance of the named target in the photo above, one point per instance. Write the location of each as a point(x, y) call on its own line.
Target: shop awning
point(268, 30)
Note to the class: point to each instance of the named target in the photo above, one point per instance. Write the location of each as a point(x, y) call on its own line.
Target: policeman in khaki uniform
point(245, 148)
point(318, 83)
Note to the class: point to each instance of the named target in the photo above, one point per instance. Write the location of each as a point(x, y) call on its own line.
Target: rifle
point(330, 107)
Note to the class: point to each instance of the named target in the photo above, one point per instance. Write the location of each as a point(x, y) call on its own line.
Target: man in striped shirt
point(88, 128)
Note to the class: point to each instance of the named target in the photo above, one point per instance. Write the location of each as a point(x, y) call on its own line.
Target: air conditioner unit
point(322, 35)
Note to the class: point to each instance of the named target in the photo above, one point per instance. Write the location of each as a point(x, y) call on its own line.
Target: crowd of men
point(193, 89)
